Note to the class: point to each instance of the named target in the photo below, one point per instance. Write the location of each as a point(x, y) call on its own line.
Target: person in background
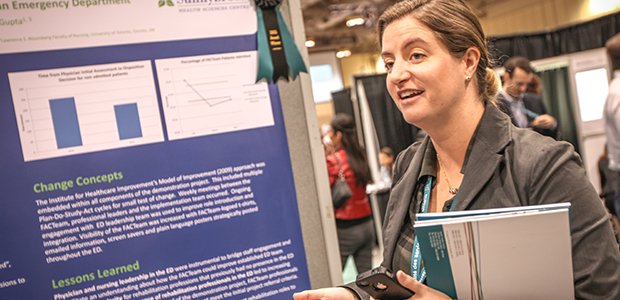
point(535, 86)
point(608, 193)
point(611, 116)
point(527, 110)
point(356, 234)
point(328, 146)
point(440, 78)
point(386, 159)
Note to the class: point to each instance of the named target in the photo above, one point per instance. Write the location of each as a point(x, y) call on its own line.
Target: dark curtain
point(579, 37)
point(392, 130)
point(557, 97)
point(342, 102)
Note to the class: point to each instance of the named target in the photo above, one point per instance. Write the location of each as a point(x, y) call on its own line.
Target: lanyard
point(528, 112)
point(417, 271)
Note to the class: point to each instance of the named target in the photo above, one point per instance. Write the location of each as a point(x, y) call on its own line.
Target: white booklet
point(508, 253)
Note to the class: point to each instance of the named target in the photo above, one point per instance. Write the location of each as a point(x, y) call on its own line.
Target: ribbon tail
point(293, 57)
point(265, 67)
point(276, 46)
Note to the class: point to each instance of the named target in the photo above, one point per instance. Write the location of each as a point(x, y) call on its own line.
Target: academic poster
point(139, 157)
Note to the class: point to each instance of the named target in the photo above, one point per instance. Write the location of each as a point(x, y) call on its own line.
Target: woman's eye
point(389, 65)
point(417, 56)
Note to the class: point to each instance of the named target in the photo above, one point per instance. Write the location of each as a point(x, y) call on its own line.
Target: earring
point(467, 78)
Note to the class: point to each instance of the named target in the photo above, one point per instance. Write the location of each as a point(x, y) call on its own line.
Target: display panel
point(83, 109)
point(207, 94)
point(592, 88)
point(100, 200)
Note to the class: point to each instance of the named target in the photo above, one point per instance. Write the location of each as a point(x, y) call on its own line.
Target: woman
point(439, 77)
point(609, 180)
point(356, 233)
point(386, 159)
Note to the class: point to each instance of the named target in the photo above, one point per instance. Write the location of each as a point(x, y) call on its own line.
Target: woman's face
point(336, 138)
point(385, 159)
point(424, 79)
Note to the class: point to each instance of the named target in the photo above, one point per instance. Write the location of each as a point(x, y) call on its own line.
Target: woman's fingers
point(337, 293)
point(421, 291)
point(410, 283)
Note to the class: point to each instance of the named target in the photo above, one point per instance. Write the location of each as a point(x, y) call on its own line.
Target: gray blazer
point(509, 166)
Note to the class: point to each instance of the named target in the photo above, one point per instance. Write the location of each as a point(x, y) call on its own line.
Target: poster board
point(120, 177)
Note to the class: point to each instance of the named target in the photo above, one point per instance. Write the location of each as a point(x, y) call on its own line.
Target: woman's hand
point(335, 293)
point(543, 121)
point(421, 291)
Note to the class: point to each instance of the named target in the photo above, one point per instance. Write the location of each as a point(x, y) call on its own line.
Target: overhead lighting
point(355, 22)
point(310, 43)
point(343, 53)
point(600, 7)
point(380, 65)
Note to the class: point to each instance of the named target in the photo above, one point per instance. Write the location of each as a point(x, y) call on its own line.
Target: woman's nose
point(399, 73)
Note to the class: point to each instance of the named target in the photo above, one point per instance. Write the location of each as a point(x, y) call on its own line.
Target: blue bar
point(128, 121)
point(65, 119)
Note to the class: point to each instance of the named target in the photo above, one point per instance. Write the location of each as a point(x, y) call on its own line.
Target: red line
point(207, 99)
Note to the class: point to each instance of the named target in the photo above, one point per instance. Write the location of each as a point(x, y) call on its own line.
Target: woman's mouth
point(409, 94)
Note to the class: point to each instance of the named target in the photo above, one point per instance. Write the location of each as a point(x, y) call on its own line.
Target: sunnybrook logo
point(165, 2)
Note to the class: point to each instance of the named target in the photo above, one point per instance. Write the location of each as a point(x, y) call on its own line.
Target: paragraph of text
point(81, 224)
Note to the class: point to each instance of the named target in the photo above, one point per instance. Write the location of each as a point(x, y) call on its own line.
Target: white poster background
point(133, 82)
point(205, 95)
point(25, 26)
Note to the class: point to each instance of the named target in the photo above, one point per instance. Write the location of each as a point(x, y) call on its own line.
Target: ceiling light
point(380, 65)
point(343, 53)
point(310, 43)
point(600, 7)
point(355, 22)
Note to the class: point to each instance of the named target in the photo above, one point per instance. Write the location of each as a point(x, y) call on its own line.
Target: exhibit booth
point(144, 158)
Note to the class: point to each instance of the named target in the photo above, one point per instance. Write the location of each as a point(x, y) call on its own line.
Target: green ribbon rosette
point(277, 52)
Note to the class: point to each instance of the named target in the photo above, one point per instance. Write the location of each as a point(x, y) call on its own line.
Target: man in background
point(527, 110)
point(611, 115)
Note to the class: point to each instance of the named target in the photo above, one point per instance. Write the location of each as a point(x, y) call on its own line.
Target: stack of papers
point(508, 253)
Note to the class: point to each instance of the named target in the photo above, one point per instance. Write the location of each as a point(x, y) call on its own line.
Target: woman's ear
point(471, 59)
point(338, 135)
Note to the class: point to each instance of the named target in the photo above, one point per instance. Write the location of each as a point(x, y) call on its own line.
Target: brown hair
point(389, 152)
point(613, 50)
point(356, 155)
point(535, 86)
point(518, 62)
point(456, 26)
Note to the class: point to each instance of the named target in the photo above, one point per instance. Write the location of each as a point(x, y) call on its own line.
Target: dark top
point(609, 183)
point(532, 102)
point(506, 167)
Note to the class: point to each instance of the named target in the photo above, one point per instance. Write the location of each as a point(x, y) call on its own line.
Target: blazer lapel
point(493, 135)
point(400, 198)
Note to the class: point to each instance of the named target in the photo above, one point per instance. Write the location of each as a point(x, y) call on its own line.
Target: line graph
point(84, 109)
point(218, 100)
point(212, 94)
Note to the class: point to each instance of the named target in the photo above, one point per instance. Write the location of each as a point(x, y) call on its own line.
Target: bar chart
point(85, 109)
point(212, 94)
